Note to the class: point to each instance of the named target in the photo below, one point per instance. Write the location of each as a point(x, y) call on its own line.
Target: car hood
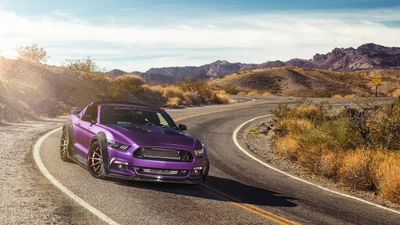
point(153, 136)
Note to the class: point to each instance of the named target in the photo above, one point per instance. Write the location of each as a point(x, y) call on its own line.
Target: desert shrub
point(32, 53)
point(287, 146)
point(190, 93)
point(358, 147)
point(329, 164)
point(253, 93)
point(356, 170)
point(396, 93)
point(231, 90)
point(242, 93)
point(87, 67)
point(219, 98)
point(202, 92)
point(388, 175)
point(122, 86)
point(265, 94)
point(198, 86)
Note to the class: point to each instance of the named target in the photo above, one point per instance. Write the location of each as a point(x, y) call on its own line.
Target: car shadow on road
point(217, 188)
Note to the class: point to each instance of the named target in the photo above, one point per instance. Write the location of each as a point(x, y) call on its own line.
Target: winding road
point(239, 190)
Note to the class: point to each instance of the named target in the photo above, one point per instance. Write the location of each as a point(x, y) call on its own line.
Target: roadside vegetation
point(357, 147)
point(30, 89)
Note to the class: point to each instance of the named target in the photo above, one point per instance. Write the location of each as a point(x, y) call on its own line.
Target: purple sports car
point(133, 141)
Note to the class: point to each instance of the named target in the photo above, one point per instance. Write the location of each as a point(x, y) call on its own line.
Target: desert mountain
point(308, 82)
point(367, 56)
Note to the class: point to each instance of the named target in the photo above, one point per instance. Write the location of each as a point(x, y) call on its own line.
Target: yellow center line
point(247, 206)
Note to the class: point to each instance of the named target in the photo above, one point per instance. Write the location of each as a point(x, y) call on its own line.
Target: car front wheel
point(95, 161)
point(65, 146)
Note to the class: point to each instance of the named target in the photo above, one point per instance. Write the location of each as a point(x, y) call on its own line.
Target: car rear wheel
point(65, 146)
point(95, 160)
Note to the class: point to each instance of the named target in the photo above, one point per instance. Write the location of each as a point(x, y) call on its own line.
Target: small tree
point(85, 66)
point(33, 53)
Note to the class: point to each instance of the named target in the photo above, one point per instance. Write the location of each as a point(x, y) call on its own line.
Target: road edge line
point(55, 182)
point(234, 137)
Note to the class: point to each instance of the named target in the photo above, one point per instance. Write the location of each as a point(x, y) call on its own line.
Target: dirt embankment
point(304, 82)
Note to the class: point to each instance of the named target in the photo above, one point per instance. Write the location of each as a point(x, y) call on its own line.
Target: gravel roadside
point(261, 146)
point(27, 197)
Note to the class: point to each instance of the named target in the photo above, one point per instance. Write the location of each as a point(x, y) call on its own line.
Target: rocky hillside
point(306, 82)
point(150, 78)
point(31, 90)
point(367, 56)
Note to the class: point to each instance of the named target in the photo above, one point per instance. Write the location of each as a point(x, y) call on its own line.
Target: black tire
point(206, 170)
point(95, 160)
point(65, 146)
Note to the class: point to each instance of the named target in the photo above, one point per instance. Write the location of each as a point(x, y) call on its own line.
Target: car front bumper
point(136, 177)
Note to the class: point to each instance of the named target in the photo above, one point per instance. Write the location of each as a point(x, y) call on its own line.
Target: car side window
point(92, 112)
point(162, 120)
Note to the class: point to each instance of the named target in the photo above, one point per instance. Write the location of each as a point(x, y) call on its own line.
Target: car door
point(83, 131)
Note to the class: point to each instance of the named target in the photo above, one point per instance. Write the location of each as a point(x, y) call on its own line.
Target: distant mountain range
point(367, 56)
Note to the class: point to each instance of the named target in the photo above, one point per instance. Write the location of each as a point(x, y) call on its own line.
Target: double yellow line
point(234, 201)
point(248, 207)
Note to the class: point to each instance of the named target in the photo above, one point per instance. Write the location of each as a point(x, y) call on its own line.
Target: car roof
point(114, 103)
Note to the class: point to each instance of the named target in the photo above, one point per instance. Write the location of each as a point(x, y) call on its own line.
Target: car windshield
point(125, 115)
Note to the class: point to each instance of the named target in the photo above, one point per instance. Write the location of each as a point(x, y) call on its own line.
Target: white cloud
point(247, 38)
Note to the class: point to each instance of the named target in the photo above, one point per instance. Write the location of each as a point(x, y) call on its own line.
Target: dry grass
point(362, 153)
point(190, 93)
point(356, 170)
point(337, 96)
point(295, 126)
point(388, 174)
point(396, 93)
point(221, 98)
point(266, 94)
point(329, 164)
point(287, 147)
point(350, 96)
point(253, 93)
point(242, 93)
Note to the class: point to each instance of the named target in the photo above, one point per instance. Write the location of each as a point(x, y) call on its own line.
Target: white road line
point(55, 182)
point(234, 137)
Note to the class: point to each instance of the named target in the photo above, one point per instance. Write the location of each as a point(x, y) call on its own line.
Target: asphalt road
point(239, 190)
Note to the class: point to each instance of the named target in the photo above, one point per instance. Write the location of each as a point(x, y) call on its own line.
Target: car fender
point(70, 133)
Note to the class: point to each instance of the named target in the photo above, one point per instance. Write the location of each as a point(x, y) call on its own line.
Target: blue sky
point(137, 35)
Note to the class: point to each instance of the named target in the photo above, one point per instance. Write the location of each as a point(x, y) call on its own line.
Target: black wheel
point(95, 161)
point(65, 147)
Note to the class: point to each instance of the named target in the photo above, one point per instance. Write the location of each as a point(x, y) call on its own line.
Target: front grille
point(163, 172)
point(163, 154)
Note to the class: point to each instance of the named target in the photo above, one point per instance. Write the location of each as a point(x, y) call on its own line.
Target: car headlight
point(117, 145)
point(201, 151)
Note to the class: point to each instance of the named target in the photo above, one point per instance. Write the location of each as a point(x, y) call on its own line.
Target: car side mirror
point(88, 118)
point(182, 127)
